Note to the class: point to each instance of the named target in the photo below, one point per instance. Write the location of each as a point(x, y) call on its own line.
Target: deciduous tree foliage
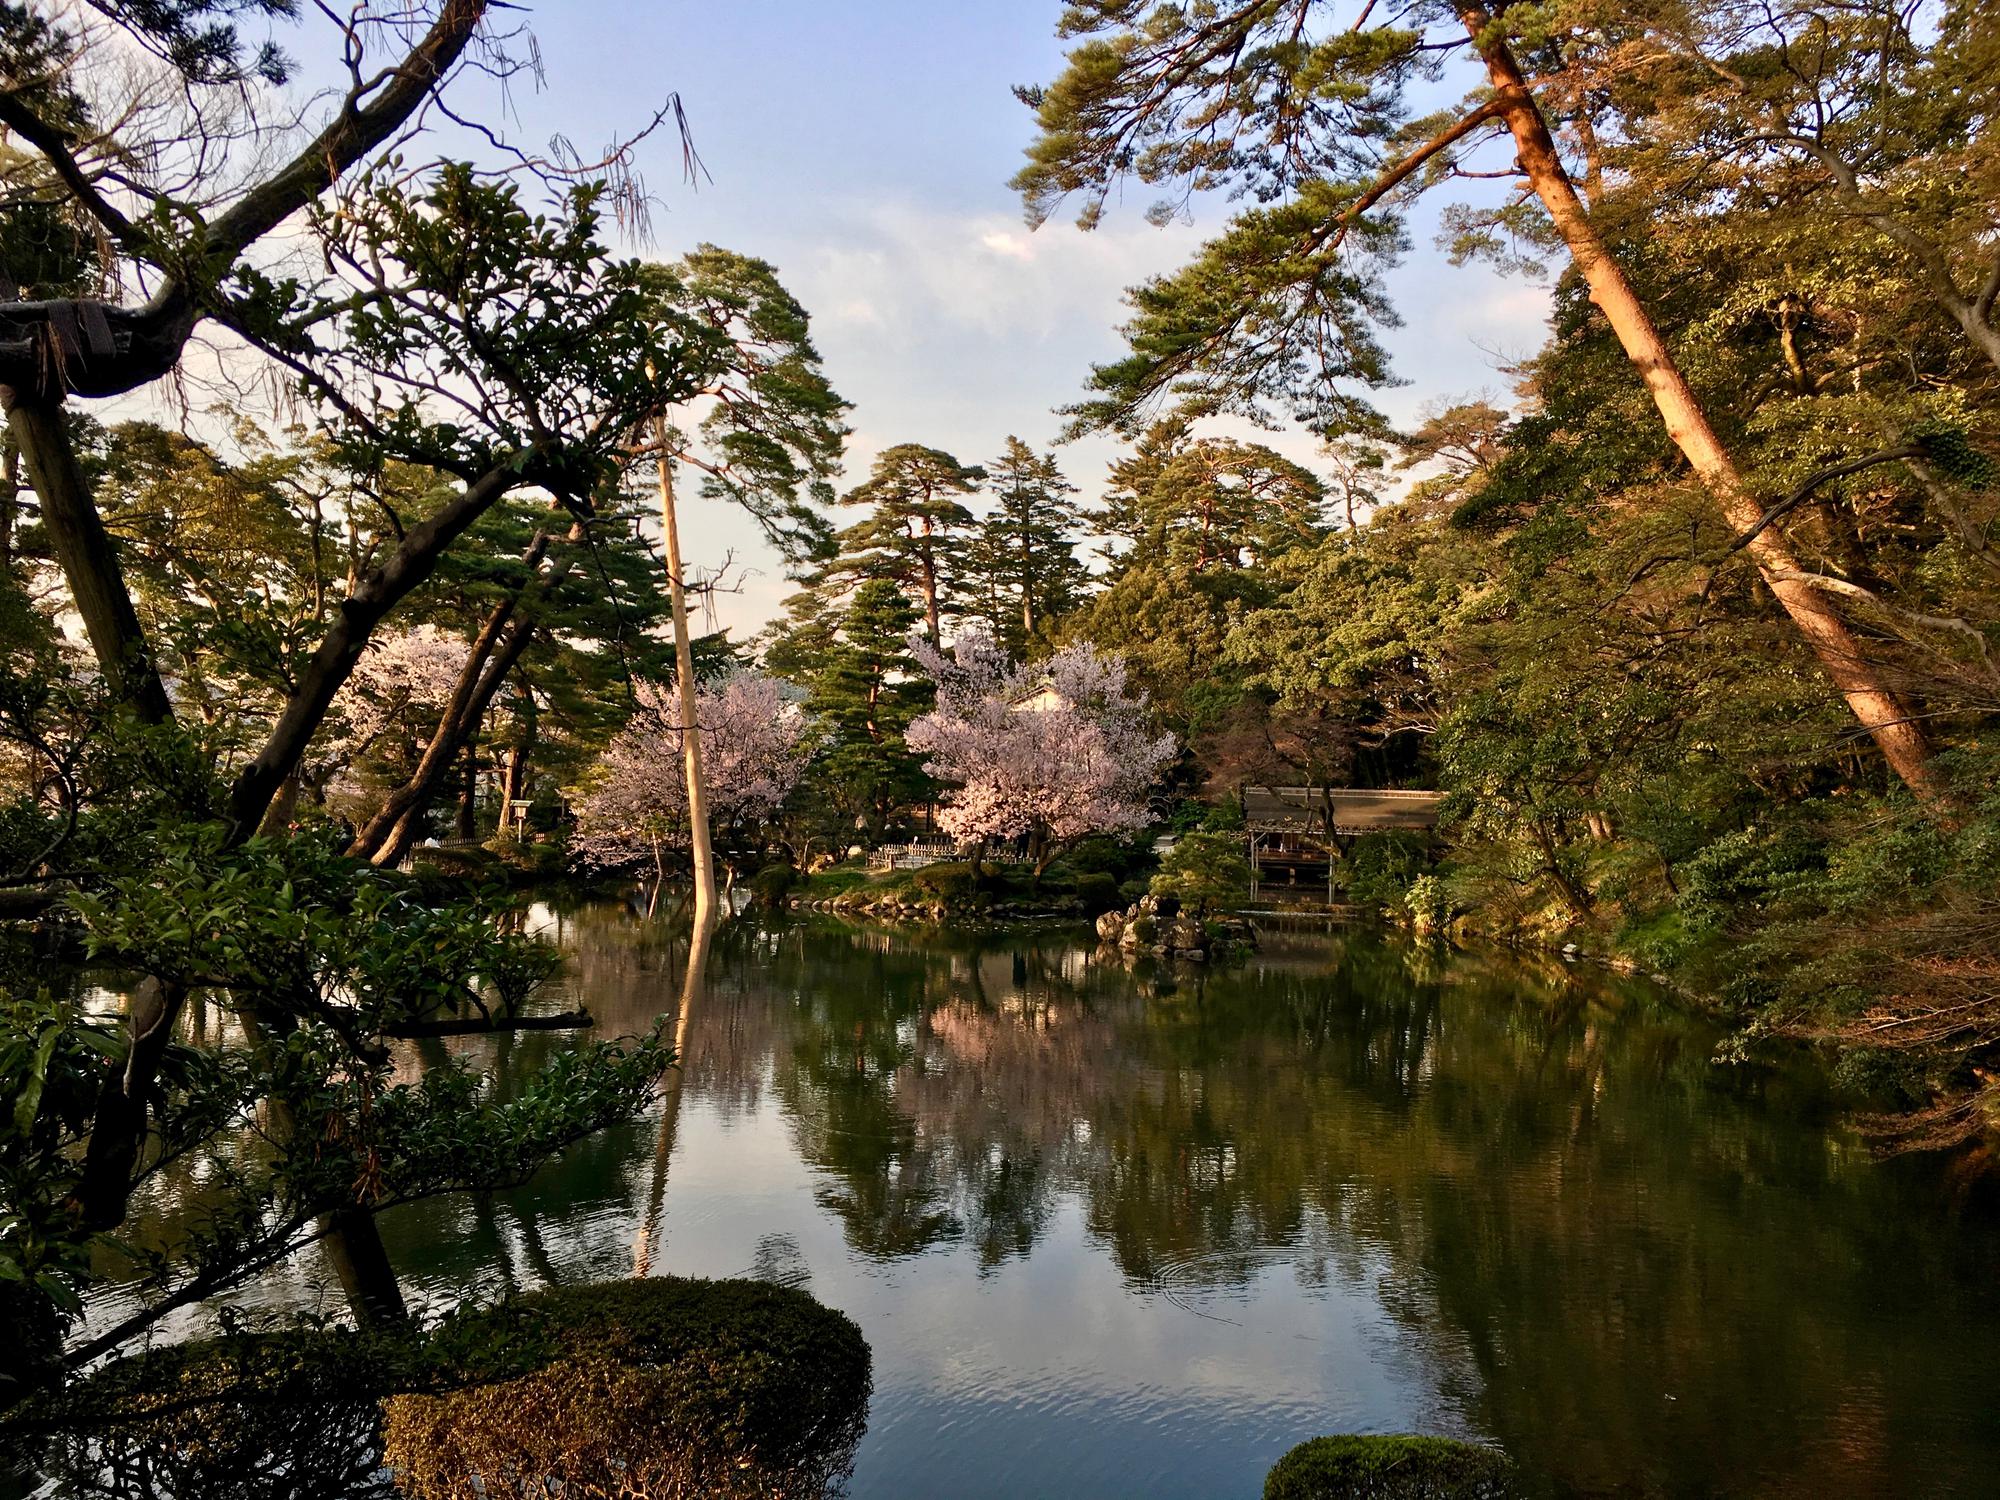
point(755, 742)
point(464, 323)
point(1045, 752)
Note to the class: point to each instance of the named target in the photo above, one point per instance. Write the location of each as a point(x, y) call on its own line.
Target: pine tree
point(1279, 312)
point(1205, 504)
point(916, 528)
point(866, 698)
point(1026, 548)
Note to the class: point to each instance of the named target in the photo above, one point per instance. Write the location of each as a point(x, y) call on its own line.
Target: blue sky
point(864, 149)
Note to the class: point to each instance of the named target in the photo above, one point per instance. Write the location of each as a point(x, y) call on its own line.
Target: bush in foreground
point(237, 1417)
point(1391, 1468)
point(658, 1387)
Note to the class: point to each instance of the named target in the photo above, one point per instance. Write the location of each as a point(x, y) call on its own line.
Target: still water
point(1132, 1232)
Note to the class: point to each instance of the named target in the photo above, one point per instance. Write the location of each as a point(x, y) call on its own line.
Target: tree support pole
point(700, 847)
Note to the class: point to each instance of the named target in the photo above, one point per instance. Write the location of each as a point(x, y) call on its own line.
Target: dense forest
point(338, 519)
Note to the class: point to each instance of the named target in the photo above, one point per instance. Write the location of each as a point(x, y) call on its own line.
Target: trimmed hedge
point(772, 884)
point(659, 1387)
point(1353, 1467)
point(668, 1386)
point(1098, 891)
point(952, 883)
point(238, 1417)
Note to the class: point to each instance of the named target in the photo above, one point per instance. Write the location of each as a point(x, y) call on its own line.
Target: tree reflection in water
point(1612, 1249)
point(1637, 1270)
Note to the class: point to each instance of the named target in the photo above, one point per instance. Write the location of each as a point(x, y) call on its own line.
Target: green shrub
point(1428, 904)
point(460, 862)
point(772, 884)
point(1204, 870)
point(1658, 941)
point(1381, 866)
point(238, 1417)
point(952, 883)
point(1353, 1467)
point(836, 880)
point(537, 858)
point(1098, 891)
point(661, 1386)
point(1102, 855)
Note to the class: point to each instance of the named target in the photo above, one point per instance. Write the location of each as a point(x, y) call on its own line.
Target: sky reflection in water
point(1110, 1234)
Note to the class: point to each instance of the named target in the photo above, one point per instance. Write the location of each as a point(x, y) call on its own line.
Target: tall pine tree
point(1025, 555)
point(916, 528)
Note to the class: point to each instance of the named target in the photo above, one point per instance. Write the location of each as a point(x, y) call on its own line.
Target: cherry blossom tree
point(755, 743)
point(397, 687)
point(1048, 751)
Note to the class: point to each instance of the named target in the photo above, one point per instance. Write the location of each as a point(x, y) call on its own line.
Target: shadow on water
point(1116, 1229)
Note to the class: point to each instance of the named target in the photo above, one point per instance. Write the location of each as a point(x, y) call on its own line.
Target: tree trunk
point(279, 815)
point(87, 554)
point(468, 796)
point(10, 503)
point(514, 786)
point(1027, 589)
point(354, 1248)
point(927, 569)
point(705, 906)
point(418, 791)
point(394, 813)
point(1578, 898)
point(1902, 743)
point(352, 1241)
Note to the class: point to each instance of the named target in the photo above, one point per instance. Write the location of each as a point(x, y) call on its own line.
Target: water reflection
point(1121, 1231)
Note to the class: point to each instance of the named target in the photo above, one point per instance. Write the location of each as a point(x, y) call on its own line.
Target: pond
point(1117, 1231)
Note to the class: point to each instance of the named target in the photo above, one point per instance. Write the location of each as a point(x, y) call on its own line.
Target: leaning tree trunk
point(460, 731)
point(87, 555)
point(706, 906)
point(404, 805)
point(1880, 711)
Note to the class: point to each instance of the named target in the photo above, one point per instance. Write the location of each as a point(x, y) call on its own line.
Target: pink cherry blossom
point(1047, 751)
point(753, 747)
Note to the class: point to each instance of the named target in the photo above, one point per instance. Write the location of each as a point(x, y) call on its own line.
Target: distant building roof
point(1308, 809)
point(1041, 698)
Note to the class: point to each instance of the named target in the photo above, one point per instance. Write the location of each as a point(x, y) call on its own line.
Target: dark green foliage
point(198, 37)
point(954, 884)
point(1102, 854)
point(915, 531)
point(866, 693)
point(771, 438)
point(1022, 566)
point(1098, 891)
point(773, 884)
point(1203, 870)
point(1390, 1468)
point(1379, 867)
point(236, 1417)
point(740, 1383)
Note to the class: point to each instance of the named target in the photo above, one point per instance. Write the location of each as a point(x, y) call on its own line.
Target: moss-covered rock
point(1352, 1467)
